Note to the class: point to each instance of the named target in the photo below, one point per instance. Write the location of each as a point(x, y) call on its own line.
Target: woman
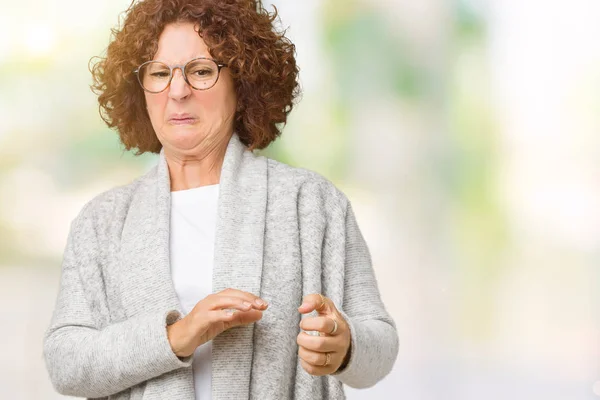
point(201, 278)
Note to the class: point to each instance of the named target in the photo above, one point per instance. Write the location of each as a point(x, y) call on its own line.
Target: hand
point(211, 316)
point(334, 341)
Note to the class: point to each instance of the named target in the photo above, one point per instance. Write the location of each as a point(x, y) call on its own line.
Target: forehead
point(180, 42)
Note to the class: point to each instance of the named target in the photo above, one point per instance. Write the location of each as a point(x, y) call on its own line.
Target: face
point(212, 111)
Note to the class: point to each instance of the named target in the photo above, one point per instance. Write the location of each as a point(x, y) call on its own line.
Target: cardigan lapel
point(238, 256)
point(238, 261)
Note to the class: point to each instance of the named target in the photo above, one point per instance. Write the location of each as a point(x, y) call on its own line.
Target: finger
point(248, 317)
point(324, 324)
point(315, 370)
point(246, 296)
point(315, 302)
point(320, 344)
point(313, 357)
point(234, 317)
point(220, 301)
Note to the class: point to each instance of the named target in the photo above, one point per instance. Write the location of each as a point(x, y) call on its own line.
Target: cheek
point(156, 107)
point(220, 100)
point(214, 102)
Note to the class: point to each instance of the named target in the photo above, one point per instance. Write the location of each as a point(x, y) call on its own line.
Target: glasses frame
point(182, 69)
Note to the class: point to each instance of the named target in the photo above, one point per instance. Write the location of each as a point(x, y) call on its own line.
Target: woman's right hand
point(212, 315)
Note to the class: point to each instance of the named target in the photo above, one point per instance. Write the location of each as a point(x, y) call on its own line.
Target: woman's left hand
point(323, 354)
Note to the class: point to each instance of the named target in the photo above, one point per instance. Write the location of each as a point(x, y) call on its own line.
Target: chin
point(184, 138)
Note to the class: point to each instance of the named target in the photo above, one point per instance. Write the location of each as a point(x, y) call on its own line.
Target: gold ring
point(327, 359)
point(335, 326)
point(322, 302)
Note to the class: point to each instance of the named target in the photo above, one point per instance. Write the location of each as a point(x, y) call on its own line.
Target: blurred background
point(465, 133)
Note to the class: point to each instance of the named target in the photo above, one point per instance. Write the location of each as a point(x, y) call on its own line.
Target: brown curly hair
point(239, 33)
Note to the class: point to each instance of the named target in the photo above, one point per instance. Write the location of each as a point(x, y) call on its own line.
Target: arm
point(88, 361)
point(374, 339)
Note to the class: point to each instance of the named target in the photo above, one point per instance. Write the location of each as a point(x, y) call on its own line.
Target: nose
point(179, 89)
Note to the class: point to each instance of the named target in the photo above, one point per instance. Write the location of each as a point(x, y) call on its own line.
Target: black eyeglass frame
point(182, 69)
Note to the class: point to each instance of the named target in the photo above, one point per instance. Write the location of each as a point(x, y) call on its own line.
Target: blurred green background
point(466, 134)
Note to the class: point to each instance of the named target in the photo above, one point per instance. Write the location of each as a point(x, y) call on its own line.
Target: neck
point(192, 171)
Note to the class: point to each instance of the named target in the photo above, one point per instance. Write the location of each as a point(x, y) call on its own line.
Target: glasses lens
point(154, 76)
point(202, 74)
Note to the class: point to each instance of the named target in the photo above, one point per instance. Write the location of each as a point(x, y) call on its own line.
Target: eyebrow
point(170, 62)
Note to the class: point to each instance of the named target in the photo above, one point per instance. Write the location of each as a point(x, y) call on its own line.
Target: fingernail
point(247, 304)
point(260, 302)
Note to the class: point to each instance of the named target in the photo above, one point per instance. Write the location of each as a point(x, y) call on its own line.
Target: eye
point(202, 72)
point(161, 74)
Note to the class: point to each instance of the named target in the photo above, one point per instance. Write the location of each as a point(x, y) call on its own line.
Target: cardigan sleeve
point(86, 360)
point(373, 332)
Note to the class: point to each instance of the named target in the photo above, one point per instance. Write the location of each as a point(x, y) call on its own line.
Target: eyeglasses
point(200, 73)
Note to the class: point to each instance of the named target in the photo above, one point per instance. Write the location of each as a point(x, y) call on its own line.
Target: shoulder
point(98, 213)
point(311, 189)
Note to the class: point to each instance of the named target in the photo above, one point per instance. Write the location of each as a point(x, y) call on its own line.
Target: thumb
point(316, 302)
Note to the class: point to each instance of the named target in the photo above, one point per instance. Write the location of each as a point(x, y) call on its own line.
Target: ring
point(327, 359)
point(335, 326)
point(322, 302)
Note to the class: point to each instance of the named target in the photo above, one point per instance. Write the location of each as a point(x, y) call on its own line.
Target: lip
point(182, 119)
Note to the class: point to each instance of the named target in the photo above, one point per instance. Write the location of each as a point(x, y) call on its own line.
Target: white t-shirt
point(193, 224)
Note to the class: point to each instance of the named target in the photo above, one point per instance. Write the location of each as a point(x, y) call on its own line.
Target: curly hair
point(239, 33)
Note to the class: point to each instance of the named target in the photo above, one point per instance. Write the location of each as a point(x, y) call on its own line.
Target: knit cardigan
point(282, 233)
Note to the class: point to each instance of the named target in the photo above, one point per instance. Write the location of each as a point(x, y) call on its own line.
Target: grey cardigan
point(282, 233)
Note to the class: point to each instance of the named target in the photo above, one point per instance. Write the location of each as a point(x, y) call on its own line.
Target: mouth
point(182, 121)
